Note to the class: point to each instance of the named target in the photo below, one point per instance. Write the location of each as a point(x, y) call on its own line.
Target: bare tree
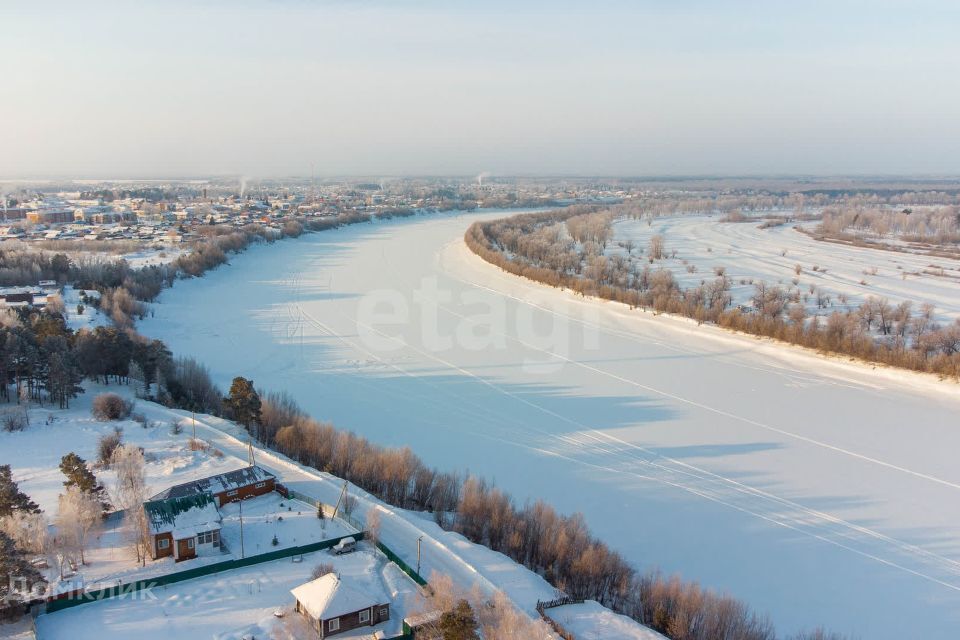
point(373, 526)
point(657, 247)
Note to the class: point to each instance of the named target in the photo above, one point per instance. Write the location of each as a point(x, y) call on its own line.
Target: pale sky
point(269, 88)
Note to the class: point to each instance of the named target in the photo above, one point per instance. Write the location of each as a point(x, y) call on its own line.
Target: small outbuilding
point(333, 607)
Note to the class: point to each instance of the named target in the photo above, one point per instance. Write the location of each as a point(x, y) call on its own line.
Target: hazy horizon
point(334, 88)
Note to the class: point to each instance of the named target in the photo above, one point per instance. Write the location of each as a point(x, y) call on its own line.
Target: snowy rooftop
point(217, 484)
point(327, 597)
point(184, 515)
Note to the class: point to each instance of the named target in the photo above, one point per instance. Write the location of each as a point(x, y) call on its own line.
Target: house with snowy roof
point(333, 607)
point(226, 487)
point(183, 526)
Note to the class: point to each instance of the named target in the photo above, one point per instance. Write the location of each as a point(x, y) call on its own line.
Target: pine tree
point(11, 498)
point(61, 375)
point(459, 624)
point(244, 402)
point(79, 475)
point(15, 569)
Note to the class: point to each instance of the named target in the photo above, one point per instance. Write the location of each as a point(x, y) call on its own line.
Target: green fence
point(407, 569)
point(131, 588)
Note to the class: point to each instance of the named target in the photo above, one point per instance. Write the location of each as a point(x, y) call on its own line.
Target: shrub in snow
point(321, 570)
point(110, 406)
point(274, 542)
point(14, 419)
point(107, 444)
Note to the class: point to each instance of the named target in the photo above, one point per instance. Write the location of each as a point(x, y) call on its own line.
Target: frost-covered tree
point(79, 515)
point(129, 493)
point(136, 377)
point(28, 531)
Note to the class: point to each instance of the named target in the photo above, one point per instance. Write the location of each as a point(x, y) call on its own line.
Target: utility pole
point(193, 416)
point(341, 500)
point(420, 539)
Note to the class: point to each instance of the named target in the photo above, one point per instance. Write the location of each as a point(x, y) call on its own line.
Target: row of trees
point(936, 225)
point(396, 476)
point(534, 246)
point(42, 359)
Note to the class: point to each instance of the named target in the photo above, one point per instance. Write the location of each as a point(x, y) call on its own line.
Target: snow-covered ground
point(154, 256)
point(170, 461)
point(35, 453)
point(750, 254)
point(90, 318)
point(294, 524)
point(590, 621)
point(20, 630)
point(231, 605)
point(818, 490)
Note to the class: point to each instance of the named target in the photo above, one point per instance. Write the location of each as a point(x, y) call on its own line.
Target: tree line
point(542, 248)
point(932, 225)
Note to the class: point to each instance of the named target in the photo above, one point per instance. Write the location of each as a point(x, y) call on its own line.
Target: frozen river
point(817, 491)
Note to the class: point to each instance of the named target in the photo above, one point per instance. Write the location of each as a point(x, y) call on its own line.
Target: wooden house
point(226, 487)
point(183, 527)
point(333, 607)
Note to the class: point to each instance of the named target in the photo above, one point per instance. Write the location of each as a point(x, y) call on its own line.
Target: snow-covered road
point(819, 491)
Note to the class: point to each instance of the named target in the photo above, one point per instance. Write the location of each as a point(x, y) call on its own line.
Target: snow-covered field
point(228, 606)
point(751, 254)
point(820, 491)
point(154, 256)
